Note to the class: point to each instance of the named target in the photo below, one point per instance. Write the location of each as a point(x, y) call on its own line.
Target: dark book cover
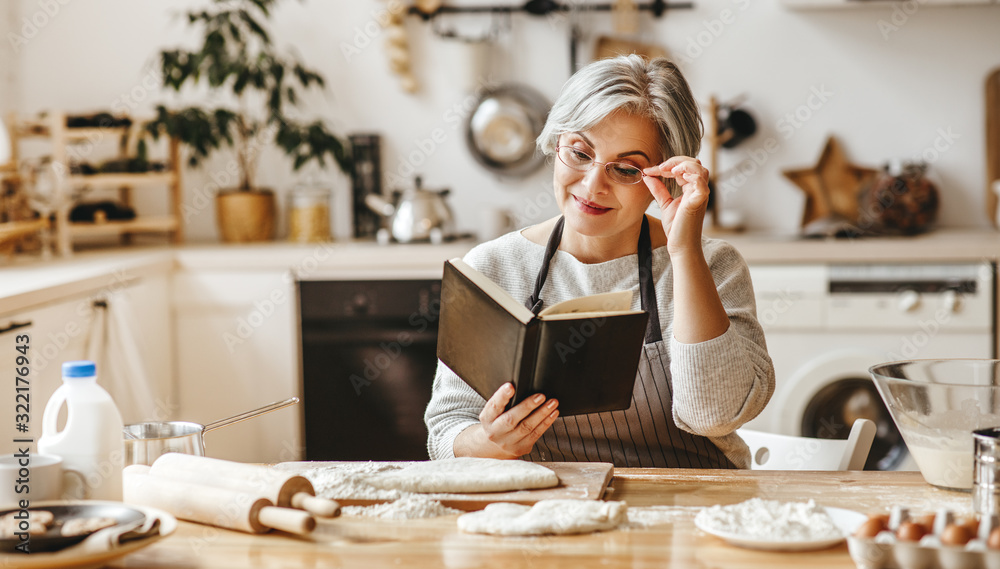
point(586, 360)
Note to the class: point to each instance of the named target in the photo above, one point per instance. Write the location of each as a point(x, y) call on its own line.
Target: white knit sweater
point(716, 385)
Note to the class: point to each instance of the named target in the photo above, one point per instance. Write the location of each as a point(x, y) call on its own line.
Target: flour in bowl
point(770, 521)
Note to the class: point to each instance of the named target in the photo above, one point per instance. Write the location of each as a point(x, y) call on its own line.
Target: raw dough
point(82, 526)
point(545, 517)
point(38, 523)
point(466, 474)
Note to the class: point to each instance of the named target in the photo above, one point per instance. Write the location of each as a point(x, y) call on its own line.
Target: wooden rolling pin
point(284, 489)
point(210, 504)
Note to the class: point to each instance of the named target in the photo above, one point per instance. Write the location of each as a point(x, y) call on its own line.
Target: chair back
point(769, 451)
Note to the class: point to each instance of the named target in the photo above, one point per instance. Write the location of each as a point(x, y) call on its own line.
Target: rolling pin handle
point(286, 519)
point(321, 507)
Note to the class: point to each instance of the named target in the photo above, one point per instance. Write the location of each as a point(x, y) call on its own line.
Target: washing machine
point(826, 324)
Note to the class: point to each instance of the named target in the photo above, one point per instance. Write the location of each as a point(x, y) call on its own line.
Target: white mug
point(35, 477)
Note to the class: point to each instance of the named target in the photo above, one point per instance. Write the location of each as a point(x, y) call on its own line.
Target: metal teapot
point(415, 214)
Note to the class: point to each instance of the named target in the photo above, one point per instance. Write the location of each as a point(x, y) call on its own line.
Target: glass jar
point(309, 214)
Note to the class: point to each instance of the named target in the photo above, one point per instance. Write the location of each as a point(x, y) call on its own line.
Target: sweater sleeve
point(454, 407)
point(720, 384)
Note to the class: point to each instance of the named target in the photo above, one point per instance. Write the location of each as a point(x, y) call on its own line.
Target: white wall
point(890, 94)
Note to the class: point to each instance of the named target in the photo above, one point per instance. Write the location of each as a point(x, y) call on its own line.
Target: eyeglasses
point(621, 172)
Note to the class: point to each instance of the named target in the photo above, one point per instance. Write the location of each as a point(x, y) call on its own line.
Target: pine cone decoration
point(899, 201)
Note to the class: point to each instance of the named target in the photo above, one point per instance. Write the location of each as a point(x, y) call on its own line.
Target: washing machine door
point(826, 395)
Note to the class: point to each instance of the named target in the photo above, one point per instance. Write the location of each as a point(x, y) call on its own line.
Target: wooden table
point(436, 543)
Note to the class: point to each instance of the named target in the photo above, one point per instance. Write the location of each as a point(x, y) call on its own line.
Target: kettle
point(415, 214)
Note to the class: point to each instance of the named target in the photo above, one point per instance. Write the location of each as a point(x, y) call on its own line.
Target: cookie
point(83, 526)
point(38, 523)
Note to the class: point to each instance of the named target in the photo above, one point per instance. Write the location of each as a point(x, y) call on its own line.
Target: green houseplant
point(237, 59)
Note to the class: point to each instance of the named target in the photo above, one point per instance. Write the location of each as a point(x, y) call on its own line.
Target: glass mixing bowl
point(936, 405)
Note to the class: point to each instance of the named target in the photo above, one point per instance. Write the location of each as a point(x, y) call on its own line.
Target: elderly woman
point(624, 132)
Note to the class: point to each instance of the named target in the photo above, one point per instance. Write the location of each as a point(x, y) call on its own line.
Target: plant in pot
point(238, 61)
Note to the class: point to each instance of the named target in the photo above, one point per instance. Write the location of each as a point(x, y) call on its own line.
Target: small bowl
point(936, 404)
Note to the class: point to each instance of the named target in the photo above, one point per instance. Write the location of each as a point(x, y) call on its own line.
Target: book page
point(619, 301)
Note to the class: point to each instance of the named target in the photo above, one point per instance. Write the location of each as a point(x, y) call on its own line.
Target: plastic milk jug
point(91, 440)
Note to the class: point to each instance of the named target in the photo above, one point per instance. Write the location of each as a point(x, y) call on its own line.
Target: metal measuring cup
point(986, 471)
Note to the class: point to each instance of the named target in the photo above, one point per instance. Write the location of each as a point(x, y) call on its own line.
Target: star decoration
point(831, 186)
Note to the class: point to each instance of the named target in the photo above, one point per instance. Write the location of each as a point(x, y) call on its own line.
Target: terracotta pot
point(246, 216)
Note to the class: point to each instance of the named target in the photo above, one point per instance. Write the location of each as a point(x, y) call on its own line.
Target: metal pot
point(145, 442)
point(416, 214)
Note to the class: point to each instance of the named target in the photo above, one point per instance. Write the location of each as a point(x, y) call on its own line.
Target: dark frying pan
point(54, 540)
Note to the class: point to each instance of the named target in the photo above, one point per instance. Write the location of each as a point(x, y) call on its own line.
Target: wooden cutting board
point(577, 480)
point(992, 141)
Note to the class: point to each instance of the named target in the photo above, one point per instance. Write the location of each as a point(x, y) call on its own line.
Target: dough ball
point(545, 517)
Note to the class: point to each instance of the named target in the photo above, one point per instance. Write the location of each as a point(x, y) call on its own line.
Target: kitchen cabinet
point(236, 343)
point(59, 331)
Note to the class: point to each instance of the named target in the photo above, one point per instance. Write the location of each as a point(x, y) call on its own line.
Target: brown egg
point(910, 531)
point(971, 524)
point(993, 542)
point(956, 534)
point(872, 526)
point(926, 520)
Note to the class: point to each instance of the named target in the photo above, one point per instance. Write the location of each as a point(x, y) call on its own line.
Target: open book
point(583, 352)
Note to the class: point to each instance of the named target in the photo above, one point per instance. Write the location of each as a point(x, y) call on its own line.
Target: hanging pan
point(502, 129)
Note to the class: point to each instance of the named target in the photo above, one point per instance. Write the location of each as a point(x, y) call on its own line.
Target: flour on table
point(350, 481)
point(646, 516)
point(466, 474)
point(545, 517)
point(770, 520)
point(406, 508)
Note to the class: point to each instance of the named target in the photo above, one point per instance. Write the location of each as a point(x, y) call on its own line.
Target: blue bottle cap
point(82, 368)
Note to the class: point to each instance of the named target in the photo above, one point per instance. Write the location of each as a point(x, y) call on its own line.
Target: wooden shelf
point(13, 230)
point(41, 128)
point(62, 138)
point(122, 179)
point(147, 224)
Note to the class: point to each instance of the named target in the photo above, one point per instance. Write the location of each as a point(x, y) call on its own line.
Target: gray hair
point(650, 88)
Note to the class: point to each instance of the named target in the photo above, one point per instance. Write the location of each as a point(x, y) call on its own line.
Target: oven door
point(368, 363)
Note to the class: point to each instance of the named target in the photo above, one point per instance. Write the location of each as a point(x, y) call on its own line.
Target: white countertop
point(27, 281)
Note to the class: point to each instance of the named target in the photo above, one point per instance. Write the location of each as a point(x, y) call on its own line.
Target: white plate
point(846, 520)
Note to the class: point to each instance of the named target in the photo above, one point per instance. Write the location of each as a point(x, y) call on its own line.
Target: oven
point(368, 357)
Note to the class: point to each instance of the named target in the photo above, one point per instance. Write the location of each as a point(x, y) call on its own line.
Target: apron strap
point(535, 302)
point(647, 290)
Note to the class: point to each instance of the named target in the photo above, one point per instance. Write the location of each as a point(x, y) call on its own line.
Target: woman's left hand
point(683, 216)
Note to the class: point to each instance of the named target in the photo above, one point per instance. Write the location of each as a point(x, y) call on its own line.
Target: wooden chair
point(769, 451)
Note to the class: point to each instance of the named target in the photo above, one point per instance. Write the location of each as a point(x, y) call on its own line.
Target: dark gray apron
point(644, 435)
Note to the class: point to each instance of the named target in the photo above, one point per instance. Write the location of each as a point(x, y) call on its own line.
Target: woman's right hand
point(509, 434)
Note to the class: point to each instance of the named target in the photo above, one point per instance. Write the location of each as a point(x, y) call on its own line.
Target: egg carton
point(887, 551)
